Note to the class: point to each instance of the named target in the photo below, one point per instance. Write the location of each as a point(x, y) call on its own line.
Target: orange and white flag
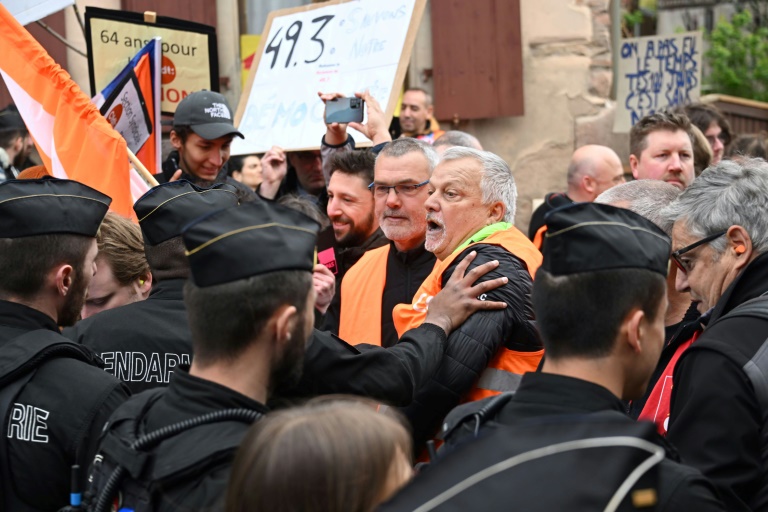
point(74, 140)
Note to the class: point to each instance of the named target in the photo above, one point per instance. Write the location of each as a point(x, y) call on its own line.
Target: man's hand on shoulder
point(459, 297)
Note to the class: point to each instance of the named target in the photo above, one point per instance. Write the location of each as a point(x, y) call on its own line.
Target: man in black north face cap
point(54, 397)
point(142, 343)
point(563, 441)
point(203, 129)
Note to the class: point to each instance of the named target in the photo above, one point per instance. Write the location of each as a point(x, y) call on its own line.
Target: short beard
point(356, 237)
point(288, 366)
point(72, 309)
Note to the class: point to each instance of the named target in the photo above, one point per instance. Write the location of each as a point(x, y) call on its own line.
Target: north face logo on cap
point(218, 110)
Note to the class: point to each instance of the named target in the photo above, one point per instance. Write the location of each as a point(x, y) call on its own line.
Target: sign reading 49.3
point(298, 43)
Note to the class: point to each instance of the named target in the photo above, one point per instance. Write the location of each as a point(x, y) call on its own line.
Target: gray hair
point(726, 194)
point(644, 197)
point(454, 138)
point(401, 147)
point(497, 182)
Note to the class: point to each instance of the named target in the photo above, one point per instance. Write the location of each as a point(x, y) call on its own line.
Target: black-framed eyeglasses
point(406, 189)
point(676, 255)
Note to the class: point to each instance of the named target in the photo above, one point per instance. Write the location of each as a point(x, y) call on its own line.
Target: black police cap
point(165, 209)
point(50, 206)
point(586, 237)
point(252, 239)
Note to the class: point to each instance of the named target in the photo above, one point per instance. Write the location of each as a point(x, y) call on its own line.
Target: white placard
point(656, 73)
point(27, 11)
point(341, 47)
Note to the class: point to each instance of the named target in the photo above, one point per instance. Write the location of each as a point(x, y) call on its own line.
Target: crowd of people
point(351, 329)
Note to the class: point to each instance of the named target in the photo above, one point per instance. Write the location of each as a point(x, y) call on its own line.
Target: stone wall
point(567, 84)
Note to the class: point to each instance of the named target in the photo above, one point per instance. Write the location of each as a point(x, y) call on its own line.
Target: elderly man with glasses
point(390, 275)
point(719, 407)
point(471, 206)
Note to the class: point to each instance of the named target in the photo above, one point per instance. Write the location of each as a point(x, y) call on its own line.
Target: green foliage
point(738, 58)
point(629, 20)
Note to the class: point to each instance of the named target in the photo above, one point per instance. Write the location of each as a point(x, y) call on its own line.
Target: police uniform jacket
point(391, 375)
point(55, 419)
point(141, 343)
point(188, 397)
point(716, 419)
point(568, 404)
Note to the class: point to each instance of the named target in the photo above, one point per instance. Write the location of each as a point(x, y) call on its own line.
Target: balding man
point(593, 170)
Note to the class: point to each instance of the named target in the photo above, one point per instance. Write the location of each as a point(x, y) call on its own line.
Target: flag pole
point(143, 172)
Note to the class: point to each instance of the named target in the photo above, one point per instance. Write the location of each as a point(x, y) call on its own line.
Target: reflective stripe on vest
point(362, 289)
point(511, 362)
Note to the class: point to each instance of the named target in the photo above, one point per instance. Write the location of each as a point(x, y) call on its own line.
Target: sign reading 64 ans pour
point(189, 61)
point(339, 46)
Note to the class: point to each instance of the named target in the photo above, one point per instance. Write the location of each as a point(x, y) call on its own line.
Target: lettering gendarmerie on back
point(54, 398)
point(250, 302)
point(143, 343)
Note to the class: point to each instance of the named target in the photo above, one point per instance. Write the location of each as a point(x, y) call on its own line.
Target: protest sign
point(189, 61)
point(656, 73)
point(127, 112)
point(339, 46)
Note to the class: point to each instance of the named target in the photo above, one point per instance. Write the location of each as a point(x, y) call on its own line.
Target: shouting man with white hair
point(471, 207)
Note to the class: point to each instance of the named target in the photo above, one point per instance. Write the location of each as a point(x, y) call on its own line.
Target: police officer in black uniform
point(250, 302)
point(54, 397)
point(142, 343)
point(563, 441)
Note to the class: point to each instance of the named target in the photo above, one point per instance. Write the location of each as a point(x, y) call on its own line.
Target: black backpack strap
point(473, 415)
point(23, 356)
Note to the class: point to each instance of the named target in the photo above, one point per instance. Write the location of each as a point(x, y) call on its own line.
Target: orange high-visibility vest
point(538, 238)
point(504, 370)
point(361, 292)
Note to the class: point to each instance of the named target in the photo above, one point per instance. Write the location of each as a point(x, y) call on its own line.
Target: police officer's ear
point(63, 277)
point(633, 330)
point(283, 323)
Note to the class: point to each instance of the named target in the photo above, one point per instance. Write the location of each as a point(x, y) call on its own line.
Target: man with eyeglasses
point(471, 206)
point(713, 125)
point(719, 407)
point(391, 274)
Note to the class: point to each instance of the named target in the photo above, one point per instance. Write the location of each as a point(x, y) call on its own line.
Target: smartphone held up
point(344, 110)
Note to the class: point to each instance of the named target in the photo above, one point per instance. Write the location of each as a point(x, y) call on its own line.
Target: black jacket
point(141, 343)
point(345, 258)
point(547, 410)
point(405, 272)
point(675, 336)
point(716, 420)
point(188, 397)
point(57, 416)
point(472, 346)
point(551, 201)
point(390, 375)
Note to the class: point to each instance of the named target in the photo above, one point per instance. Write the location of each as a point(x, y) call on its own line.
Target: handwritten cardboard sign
point(339, 46)
point(656, 73)
point(189, 62)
